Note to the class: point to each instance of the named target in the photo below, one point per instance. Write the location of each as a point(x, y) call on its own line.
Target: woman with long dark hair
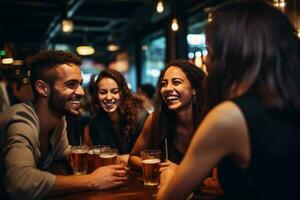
point(118, 120)
point(179, 104)
point(252, 127)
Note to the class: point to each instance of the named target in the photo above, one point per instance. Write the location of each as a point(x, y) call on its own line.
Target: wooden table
point(133, 190)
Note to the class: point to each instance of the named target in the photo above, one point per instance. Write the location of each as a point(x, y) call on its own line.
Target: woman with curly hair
point(179, 105)
point(117, 121)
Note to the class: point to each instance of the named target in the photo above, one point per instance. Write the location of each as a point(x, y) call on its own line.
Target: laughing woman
point(252, 127)
point(177, 114)
point(118, 120)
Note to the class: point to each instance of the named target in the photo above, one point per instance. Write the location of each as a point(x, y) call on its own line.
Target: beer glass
point(108, 156)
point(94, 158)
point(79, 159)
point(151, 160)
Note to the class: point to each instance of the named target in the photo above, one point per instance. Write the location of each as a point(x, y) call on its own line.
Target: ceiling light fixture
point(67, 25)
point(113, 47)
point(85, 50)
point(7, 61)
point(160, 7)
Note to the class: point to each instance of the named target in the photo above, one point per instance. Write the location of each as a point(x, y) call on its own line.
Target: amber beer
point(150, 162)
point(108, 157)
point(151, 171)
point(79, 159)
point(94, 157)
point(91, 161)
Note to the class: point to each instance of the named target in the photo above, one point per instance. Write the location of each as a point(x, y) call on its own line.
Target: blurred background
point(135, 37)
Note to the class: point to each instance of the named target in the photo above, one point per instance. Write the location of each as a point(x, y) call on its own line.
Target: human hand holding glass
point(108, 177)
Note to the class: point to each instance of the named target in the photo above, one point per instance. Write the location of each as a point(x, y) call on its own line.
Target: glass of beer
point(94, 158)
point(151, 160)
point(79, 159)
point(108, 156)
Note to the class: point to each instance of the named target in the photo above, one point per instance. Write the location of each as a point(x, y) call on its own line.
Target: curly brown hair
point(127, 108)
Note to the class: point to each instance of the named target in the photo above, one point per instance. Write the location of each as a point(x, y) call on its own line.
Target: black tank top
point(274, 170)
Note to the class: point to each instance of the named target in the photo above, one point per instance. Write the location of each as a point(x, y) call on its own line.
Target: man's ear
point(42, 88)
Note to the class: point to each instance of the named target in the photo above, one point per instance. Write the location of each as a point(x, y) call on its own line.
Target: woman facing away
point(118, 120)
point(178, 111)
point(252, 128)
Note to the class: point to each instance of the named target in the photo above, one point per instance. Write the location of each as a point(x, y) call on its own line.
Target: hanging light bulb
point(174, 25)
point(298, 32)
point(210, 17)
point(160, 7)
point(67, 25)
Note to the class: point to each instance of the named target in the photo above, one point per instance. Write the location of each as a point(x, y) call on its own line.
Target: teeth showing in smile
point(109, 104)
point(75, 102)
point(172, 98)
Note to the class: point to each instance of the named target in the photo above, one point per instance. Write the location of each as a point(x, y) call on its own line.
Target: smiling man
point(35, 135)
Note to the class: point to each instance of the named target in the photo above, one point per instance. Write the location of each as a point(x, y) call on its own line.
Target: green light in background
point(2, 53)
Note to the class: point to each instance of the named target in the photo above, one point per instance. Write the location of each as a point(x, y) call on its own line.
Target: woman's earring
point(194, 99)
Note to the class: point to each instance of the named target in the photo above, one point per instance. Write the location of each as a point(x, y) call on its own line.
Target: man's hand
point(108, 177)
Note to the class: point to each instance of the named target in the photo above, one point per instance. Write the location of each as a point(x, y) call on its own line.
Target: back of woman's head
point(253, 48)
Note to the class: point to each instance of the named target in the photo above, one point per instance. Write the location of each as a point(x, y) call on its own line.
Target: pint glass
point(151, 161)
point(79, 159)
point(108, 156)
point(94, 157)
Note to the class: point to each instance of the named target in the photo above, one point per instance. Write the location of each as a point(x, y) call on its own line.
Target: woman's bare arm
point(222, 133)
point(143, 142)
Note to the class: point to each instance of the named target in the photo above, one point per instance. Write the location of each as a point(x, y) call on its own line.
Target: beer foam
point(151, 161)
point(96, 151)
point(79, 151)
point(107, 155)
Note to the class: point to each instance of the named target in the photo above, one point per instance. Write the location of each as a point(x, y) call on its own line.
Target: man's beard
point(57, 103)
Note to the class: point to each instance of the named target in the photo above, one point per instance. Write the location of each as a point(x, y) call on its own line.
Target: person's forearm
point(135, 163)
point(68, 184)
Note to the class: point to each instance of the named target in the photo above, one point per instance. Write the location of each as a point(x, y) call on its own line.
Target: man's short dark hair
point(44, 61)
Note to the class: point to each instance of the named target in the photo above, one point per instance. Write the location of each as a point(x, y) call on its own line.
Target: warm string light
point(175, 25)
point(160, 7)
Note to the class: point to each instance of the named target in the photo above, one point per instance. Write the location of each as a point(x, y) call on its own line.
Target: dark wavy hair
point(127, 107)
point(164, 121)
point(43, 62)
point(253, 48)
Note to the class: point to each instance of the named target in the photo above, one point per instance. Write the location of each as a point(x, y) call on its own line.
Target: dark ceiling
point(29, 25)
